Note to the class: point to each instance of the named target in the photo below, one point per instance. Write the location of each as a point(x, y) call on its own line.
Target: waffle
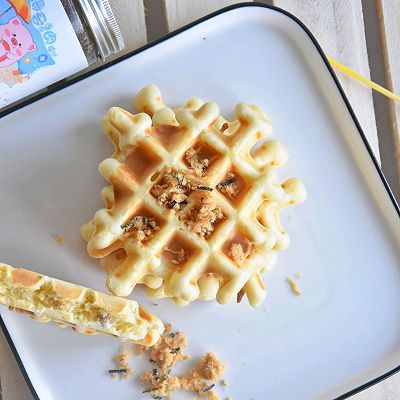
point(154, 145)
point(85, 310)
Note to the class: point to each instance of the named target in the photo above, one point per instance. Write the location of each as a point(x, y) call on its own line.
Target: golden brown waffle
point(151, 144)
point(85, 310)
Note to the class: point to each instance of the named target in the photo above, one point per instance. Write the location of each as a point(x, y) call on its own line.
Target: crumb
point(209, 370)
point(168, 328)
point(210, 367)
point(236, 253)
point(294, 287)
point(231, 190)
point(240, 295)
point(124, 370)
point(172, 191)
point(167, 351)
point(212, 396)
point(142, 228)
point(180, 253)
point(59, 239)
point(197, 166)
point(165, 354)
point(224, 127)
point(228, 398)
point(154, 304)
point(299, 276)
point(224, 383)
point(203, 216)
point(139, 350)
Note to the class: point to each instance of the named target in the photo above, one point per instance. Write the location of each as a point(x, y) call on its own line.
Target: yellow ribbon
point(363, 79)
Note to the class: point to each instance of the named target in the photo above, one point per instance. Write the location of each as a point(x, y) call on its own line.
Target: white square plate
point(343, 332)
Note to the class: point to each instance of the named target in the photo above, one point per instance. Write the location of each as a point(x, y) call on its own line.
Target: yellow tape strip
point(362, 79)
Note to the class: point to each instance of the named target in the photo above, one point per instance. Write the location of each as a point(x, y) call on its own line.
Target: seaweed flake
point(176, 350)
point(118, 371)
point(151, 390)
point(202, 187)
point(155, 374)
point(128, 225)
point(171, 203)
point(226, 183)
point(208, 388)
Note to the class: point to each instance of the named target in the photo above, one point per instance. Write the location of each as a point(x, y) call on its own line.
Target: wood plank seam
point(388, 16)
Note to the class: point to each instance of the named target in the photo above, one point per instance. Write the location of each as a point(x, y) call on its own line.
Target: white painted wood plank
point(389, 25)
point(130, 17)
point(12, 381)
point(386, 390)
point(388, 12)
point(338, 26)
point(181, 12)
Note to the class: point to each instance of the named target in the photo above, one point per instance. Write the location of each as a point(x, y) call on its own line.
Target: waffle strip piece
point(227, 261)
point(85, 310)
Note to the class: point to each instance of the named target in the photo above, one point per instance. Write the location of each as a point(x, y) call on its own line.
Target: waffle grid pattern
point(147, 145)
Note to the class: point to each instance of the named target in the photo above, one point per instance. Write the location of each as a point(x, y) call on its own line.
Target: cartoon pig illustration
point(15, 42)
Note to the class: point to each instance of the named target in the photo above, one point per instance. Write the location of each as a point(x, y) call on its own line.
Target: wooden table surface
point(345, 35)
